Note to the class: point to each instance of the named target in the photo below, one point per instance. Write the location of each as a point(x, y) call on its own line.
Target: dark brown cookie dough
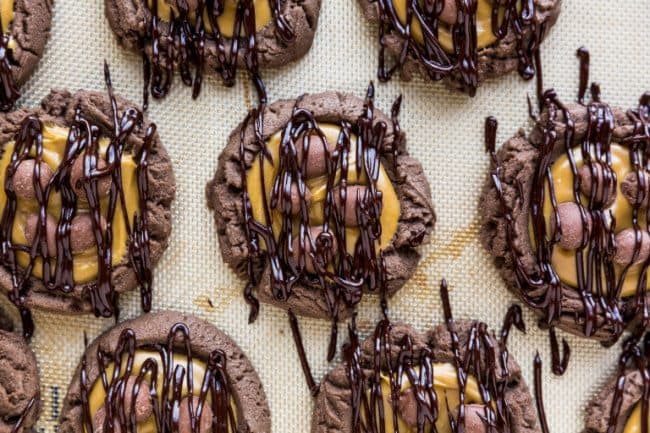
point(518, 160)
point(30, 29)
point(494, 60)
point(58, 108)
point(247, 394)
point(224, 197)
point(333, 411)
point(19, 384)
point(597, 413)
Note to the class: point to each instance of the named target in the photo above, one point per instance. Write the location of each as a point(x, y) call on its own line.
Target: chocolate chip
point(50, 231)
point(77, 174)
point(631, 192)
point(24, 178)
point(605, 185)
point(571, 225)
point(184, 420)
point(626, 243)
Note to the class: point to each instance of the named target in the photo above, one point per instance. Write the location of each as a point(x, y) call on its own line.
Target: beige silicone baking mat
point(444, 130)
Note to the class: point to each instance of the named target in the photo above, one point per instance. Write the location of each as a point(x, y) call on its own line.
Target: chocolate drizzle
point(18, 426)
point(183, 43)
point(82, 142)
point(9, 92)
point(598, 286)
point(400, 360)
point(518, 18)
point(215, 385)
point(342, 277)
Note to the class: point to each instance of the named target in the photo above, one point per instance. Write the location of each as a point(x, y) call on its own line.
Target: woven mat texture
point(444, 131)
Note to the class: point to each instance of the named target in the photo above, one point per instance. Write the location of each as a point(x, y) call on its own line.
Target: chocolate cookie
point(170, 37)
point(148, 390)
point(26, 28)
point(86, 203)
point(479, 48)
point(400, 375)
point(618, 406)
point(304, 240)
point(562, 210)
point(20, 392)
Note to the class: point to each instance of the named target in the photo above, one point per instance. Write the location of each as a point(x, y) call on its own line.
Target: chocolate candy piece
point(316, 155)
point(474, 419)
point(408, 407)
point(630, 189)
point(626, 243)
point(185, 422)
point(325, 240)
point(605, 185)
point(50, 231)
point(353, 194)
point(571, 225)
point(82, 235)
point(295, 199)
point(143, 406)
point(77, 182)
point(449, 13)
point(24, 178)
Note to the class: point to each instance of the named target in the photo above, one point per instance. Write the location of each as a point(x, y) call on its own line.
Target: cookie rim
point(28, 57)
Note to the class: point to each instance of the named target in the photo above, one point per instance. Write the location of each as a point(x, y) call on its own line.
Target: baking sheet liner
point(444, 130)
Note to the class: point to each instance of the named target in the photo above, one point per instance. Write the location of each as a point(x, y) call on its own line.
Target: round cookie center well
point(322, 195)
point(146, 390)
point(27, 222)
point(611, 208)
point(168, 9)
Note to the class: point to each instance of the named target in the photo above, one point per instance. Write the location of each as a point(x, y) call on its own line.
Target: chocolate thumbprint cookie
point(87, 190)
point(165, 372)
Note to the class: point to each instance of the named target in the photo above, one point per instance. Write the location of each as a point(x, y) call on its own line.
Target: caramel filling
point(318, 188)
point(445, 383)
point(563, 260)
point(633, 424)
point(484, 34)
point(7, 16)
point(226, 20)
point(85, 266)
point(97, 396)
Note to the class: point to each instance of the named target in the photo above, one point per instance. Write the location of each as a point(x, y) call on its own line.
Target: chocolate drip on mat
point(82, 142)
point(598, 285)
point(516, 18)
point(417, 367)
point(182, 46)
point(340, 276)
point(215, 385)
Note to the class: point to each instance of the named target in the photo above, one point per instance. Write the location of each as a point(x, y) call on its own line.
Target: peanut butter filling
point(445, 383)
point(226, 20)
point(633, 424)
point(85, 266)
point(564, 260)
point(484, 34)
point(97, 396)
point(318, 191)
point(7, 16)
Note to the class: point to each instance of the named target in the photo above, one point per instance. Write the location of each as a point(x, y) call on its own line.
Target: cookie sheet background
point(443, 129)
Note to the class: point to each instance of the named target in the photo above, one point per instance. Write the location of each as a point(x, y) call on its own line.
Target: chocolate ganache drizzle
point(484, 357)
point(599, 285)
point(341, 275)
point(20, 423)
point(509, 16)
point(182, 43)
point(57, 266)
point(125, 387)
